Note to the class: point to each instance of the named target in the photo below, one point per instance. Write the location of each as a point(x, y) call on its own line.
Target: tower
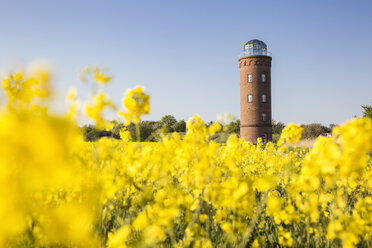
point(255, 92)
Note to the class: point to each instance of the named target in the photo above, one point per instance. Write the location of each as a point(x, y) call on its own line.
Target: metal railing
point(254, 52)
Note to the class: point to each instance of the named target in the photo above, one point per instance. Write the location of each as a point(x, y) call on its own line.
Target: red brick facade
point(252, 123)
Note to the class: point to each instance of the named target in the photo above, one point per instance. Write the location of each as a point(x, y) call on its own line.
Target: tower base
point(251, 134)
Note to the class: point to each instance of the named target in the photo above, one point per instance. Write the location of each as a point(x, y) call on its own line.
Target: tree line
point(153, 131)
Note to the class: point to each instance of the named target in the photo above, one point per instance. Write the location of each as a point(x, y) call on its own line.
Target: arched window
point(263, 98)
point(264, 117)
point(263, 77)
point(264, 138)
point(249, 78)
point(250, 98)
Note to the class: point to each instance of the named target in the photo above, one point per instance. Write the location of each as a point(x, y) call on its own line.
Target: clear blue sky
point(186, 52)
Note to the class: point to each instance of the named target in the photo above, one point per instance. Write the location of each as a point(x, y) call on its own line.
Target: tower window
point(263, 78)
point(249, 78)
point(264, 117)
point(250, 98)
point(264, 138)
point(263, 98)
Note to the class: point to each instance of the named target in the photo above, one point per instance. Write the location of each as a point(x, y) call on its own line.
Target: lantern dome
point(255, 47)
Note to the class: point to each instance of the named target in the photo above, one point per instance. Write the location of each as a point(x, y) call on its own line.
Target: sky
point(185, 53)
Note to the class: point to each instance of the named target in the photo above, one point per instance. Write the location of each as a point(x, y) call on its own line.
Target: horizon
point(186, 53)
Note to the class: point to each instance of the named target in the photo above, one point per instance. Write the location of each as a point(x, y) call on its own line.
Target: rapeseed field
point(56, 190)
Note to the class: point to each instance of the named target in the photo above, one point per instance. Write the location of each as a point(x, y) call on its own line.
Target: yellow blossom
point(291, 134)
point(137, 104)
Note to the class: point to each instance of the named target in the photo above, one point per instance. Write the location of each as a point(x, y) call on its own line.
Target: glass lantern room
point(255, 47)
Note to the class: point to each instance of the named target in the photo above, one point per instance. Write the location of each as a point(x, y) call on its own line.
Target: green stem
point(138, 133)
point(253, 222)
point(307, 232)
point(195, 215)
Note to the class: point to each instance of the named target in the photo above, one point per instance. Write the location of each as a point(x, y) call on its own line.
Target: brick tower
point(255, 92)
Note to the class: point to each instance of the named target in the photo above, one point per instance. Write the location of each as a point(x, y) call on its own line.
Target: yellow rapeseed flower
point(137, 103)
point(291, 134)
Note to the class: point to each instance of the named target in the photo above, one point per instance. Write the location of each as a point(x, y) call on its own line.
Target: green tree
point(277, 127)
point(116, 130)
point(91, 133)
point(180, 126)
point(367, 111)
point(148, 130)
point(233, 127)
point(168, 121)
point(313, 130)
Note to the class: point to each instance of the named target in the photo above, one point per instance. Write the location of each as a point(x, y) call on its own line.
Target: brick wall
point(251, 124)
